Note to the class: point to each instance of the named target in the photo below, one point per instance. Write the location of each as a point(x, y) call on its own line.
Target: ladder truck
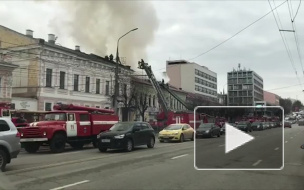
point(169, 116)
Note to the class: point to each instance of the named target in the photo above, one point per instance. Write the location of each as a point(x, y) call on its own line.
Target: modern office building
point(244, 87)
point(193, 78)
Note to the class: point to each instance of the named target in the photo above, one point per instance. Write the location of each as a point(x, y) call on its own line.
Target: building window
point(87, 85)
point(76, 82)
point(47, 106)
point(150, 100)
point(49, 77)
point(97, 86)
point(125, 89)
point(62, 80)
point(154, 101)
point(107, 87)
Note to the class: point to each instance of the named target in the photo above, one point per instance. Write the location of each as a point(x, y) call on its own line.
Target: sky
point(169, 30)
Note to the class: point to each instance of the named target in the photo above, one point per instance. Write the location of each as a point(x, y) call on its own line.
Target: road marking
point(221, 145)
point(286, 141)
point(276, 148)
point(70, 185)
point(68, 153)
point(179, 156)
point(257, 162)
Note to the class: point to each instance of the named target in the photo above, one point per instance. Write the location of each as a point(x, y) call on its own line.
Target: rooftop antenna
point(239, 66)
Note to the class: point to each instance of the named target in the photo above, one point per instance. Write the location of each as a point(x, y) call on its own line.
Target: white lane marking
point(276, 148)
point(67, 153)
point(286, 141)
point(179, 156)
point(221, 145)
point(257, 162)
point(70, 185)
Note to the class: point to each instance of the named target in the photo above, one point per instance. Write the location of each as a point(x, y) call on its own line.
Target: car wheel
point(57, 144)
point(31, 147)
point(3, 160)
point(129, 145)
point(151, 143)
point(102, 149)
point(219, 134)
point(181, 138)
point(192, 138)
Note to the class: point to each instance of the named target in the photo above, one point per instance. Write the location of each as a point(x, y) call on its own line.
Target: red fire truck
point(75, 125)
point(20, 118)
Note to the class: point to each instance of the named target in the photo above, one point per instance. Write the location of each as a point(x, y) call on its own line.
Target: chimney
point(77, 48)
point(51, 38)
point(29, 33)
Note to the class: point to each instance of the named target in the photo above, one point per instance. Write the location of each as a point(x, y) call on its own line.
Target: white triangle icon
point(235, 138)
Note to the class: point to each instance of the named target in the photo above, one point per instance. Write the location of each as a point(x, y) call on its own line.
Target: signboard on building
point(28, 104)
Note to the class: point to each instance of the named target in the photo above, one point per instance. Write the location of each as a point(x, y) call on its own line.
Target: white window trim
point(65, 79)
point(52, 104)
point(79, 81)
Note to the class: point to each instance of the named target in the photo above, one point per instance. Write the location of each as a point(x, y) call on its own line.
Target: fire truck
point(169, 116)
point(67, 124)
point(20, 118)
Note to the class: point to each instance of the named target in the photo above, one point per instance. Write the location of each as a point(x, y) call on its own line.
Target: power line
point(285, 44)
point(297, 11)
point(237, 32)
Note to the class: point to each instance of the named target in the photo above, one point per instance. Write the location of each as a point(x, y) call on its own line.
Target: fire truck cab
point(74, 125)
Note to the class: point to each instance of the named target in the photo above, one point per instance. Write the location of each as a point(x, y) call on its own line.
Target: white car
point(9, 142)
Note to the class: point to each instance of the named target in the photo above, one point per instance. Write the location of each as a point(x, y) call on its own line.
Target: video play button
point(235, 138)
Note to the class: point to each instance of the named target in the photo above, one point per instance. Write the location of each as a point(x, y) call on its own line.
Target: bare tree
point(128, 100)
point(141, 103)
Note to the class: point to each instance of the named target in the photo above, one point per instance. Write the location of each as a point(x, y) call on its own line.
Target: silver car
point(301, 122)
point(9, 142)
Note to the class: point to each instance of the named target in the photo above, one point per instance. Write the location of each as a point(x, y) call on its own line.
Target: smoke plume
point(97, 25)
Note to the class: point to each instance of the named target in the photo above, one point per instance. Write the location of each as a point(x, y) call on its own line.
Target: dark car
point(126, 135)
point(244, 126)
point(287, 124)
point(257, 126)
point(208, 129)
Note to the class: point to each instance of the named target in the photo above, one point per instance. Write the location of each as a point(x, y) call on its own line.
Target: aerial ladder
point(156, 86)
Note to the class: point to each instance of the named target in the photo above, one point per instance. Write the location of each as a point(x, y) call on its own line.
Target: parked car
point(208, 129)
point(272, 124)
point(176, 132)
point(266, 125)
point(287, 124)
point(257, 126)
point(223, 129)
point(9, 142)
point(244, 126)
point(126, 135)
point(301, 122)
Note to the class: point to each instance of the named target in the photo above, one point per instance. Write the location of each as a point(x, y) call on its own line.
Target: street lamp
point(116, 90)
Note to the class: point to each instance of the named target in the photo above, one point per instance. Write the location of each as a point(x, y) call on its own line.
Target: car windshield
point(206, 125)
point(121, 127)
point(173, 127)
point(55, 117)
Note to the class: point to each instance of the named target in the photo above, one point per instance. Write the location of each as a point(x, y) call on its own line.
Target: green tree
point(286, 104)
point(297, 104)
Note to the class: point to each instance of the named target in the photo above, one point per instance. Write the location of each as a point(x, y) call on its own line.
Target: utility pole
point(116, 88)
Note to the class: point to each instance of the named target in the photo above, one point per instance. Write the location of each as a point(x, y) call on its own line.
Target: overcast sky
point(175, 30)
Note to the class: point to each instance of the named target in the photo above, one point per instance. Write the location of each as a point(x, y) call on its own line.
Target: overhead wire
point(285, 44)
point(237, 32)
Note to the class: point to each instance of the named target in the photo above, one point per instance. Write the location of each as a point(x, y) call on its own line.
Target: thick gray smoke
point(97, 25)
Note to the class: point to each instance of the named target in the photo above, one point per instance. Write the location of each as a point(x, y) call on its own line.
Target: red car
point(287, 124)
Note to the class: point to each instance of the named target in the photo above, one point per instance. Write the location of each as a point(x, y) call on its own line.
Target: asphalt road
point(265, 151)
point(167, 166)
